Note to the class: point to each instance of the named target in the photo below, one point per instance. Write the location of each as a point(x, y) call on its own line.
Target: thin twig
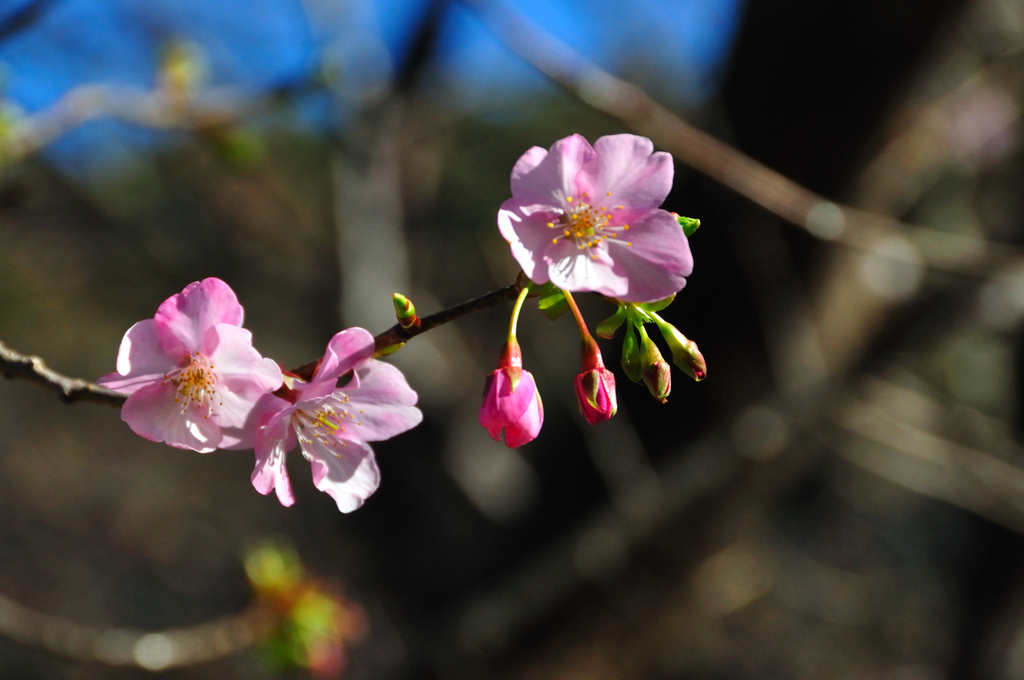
point(16, 365)
point(396, 334)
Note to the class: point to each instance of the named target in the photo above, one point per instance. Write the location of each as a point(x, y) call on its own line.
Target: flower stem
point(584, 332)
point(514, 321)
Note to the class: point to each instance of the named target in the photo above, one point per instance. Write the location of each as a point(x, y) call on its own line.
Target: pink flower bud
point(595, 394)
point(595, 385)
point(511, 401)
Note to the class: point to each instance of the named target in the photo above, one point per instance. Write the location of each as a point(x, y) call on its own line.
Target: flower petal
point(553, 179)
point(348, 473)
point(579, 271)
point(153, 413)
point(625, 166)
point(187, 315)
point(527, 162)
point(529, 236)
point(526, 429)
point(270, 473)
point(141, 359)
point(381, 403)
point(274, 426)
point(345, 350)
point(231, 352)
point(239, 409)
point(658, 261)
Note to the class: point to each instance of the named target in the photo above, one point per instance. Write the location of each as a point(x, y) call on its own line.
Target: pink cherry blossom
point(191, 374)
point(332, 425)
point(511, 401)
point(587, 218)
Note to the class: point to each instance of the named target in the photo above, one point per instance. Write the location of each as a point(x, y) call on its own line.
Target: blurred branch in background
point(153, 651)
point(825, 219)
point(296, 622)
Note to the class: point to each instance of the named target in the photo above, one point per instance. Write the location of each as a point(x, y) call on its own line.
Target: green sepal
point(631, 355)
point(552, 301)
point(606, 329)
point(636, 314)
point(657, 306)
point(689, 225)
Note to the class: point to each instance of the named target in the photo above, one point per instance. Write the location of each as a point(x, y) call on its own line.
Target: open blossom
point(588, 218)
point(511, 401)
point(332, 424)
point(191, 374)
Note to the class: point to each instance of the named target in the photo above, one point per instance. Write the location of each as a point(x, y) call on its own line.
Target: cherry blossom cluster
point(194, 381)
point(581, 218)
point(587, 218)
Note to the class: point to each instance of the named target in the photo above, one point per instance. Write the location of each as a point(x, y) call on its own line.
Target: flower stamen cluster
point(196, 383)
point(586, 225)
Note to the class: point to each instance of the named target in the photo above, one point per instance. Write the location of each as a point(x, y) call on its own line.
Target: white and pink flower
point(332, 425)
point(191, 374)
point(588, 218)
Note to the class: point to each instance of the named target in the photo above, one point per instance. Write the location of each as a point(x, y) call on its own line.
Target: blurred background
point(842, 498)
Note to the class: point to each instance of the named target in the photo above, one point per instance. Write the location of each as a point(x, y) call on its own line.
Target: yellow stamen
point(323, 419)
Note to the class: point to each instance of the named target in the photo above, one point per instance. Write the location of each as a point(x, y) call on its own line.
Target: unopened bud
point(595, 395)
point(631, 355)
point(595, 385)
point(689, 224)
point(656, 372)
point(406, 312)
point(685, 354)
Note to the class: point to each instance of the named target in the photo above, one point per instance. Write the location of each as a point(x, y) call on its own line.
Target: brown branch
point(396, 334)
point(16, 365)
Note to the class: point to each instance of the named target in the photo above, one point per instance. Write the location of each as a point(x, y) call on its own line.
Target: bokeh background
point(842, 498)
